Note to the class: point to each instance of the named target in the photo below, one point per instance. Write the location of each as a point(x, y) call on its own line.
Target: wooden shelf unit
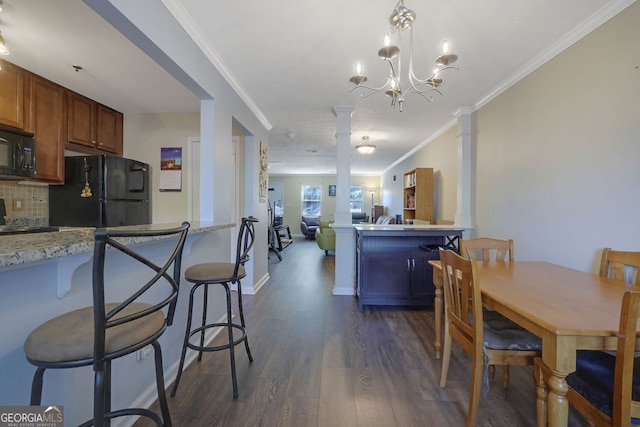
point(418, 195)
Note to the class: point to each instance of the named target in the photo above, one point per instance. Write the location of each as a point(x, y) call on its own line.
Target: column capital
point(342, 110)
point(462, 111)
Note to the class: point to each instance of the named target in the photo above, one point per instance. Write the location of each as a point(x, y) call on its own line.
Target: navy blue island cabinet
point(392, 262)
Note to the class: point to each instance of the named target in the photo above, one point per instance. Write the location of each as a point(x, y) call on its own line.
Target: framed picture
point(262, 179)
point(332, 190)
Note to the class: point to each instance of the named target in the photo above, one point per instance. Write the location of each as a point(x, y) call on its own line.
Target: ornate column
point(463, 211)
point(345, 234)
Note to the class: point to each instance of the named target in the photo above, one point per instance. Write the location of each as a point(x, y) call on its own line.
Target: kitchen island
point(392, 262)
point(43, 275)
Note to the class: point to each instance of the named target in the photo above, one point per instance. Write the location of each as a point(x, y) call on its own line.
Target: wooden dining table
point(569, 309)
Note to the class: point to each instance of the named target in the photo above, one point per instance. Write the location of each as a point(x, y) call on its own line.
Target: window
point(311, 199)
point(356, 198)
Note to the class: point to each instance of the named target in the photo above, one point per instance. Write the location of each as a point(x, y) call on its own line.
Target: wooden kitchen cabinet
point(13, 90)
point(47, 122)
point(418, 195)
point(109, 129)
point(93, 126)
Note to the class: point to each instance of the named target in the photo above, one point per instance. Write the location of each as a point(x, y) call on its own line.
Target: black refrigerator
point(101, 191)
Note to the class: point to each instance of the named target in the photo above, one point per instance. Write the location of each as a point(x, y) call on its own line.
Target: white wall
point(150, 25)
point(555, 157)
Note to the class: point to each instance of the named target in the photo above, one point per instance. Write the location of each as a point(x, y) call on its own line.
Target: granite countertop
point(25, 248)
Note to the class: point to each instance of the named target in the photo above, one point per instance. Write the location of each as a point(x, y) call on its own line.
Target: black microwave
point(17, 156)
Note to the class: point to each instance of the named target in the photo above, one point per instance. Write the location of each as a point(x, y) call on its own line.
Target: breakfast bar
point(43, 275)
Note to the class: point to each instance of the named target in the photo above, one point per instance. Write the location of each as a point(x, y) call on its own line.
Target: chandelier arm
point(413, 77)
point(415, 89)
point(382, 88)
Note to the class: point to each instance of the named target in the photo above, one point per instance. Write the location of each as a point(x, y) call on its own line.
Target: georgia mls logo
point(31, 416)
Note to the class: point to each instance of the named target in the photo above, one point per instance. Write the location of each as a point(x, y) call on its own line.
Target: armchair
point(358, 217)
point(309, 225)
point(326, 238)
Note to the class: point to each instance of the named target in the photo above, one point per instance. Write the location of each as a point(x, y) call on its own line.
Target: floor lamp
point(372, 208)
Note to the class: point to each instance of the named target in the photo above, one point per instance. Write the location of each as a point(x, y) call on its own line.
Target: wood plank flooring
point(318, 361)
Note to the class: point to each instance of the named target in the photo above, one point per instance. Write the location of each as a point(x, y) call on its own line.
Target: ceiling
point(294, 60)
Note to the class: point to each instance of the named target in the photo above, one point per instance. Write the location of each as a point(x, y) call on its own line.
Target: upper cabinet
point(58, 118)
point(13, 89)
point(47, 121)
point(93, 125)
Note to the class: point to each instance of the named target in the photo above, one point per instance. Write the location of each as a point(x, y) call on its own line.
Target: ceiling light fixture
point(402, 19)
point(365, 147)
point(3, 47)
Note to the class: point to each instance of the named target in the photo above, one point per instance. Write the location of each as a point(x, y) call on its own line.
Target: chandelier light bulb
point(358, 68)
point(445, 47)
point(3, 47)
point(387, 40)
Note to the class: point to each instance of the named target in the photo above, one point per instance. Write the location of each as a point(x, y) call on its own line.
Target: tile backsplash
point(26, 203)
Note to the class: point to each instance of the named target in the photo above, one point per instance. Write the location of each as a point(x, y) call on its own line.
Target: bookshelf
point(418, 195)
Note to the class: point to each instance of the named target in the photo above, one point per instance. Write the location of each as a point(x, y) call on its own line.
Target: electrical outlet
point(143, 353)
point(18, 204)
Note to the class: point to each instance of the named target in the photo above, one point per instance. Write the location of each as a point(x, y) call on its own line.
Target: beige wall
point(292, 190)
point(145, 134)
point(439, 154)
point(555, 157)
point(557, 154)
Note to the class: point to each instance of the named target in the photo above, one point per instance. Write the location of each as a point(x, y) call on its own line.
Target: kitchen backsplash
point(26, 204)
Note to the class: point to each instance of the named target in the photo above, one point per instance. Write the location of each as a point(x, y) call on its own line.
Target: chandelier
point(402, 19)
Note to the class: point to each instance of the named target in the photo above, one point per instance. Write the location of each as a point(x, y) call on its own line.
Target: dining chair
point(98, 334)
point(486, 249)
point(224, 274)
point(482, 249)
point(605, 388)
point(465, 323)
point(619, 265)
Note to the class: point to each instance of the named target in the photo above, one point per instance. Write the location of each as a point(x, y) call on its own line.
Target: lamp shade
point(365, 147)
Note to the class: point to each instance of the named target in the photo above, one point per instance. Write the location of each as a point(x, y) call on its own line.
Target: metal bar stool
point(222, 273)
point(100, 333)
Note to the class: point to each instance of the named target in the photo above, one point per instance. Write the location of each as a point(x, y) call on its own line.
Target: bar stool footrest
point(237, 341)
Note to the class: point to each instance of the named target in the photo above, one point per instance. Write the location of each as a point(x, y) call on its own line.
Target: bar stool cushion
point(213, 272)
point(70, 336)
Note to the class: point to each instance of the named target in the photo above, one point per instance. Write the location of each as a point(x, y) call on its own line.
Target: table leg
point(558, 415)
point(437, 282)
point(541, 392)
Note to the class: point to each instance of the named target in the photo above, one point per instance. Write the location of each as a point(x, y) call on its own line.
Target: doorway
point(276, 203)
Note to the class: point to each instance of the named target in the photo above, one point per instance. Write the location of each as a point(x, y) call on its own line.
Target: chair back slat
point(462, 300)
point(625, 356)
point(246, 238)
point(103, 320)
point(480, 249)
point(620, 265)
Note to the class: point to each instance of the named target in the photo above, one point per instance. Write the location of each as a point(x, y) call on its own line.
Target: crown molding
point(181, 15)
point(594, 21)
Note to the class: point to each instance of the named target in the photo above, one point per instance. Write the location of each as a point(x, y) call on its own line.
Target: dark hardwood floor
point(318, 361)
